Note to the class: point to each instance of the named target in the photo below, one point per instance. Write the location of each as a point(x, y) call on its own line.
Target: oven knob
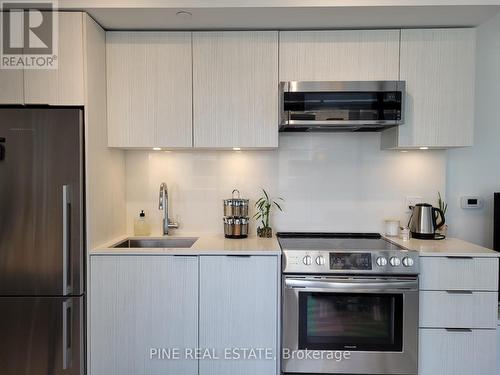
point(381, 261)
point(408, 262)
point(394, 261)
point(320, 261)
point(307, 260)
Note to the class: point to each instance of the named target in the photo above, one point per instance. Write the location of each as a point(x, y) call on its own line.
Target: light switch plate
point(412, 201)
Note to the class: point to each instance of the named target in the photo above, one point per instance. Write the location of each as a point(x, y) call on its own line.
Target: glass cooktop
point(334, 241)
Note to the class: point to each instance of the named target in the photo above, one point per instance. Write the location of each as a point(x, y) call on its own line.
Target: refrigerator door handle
point(2, 149)
point(66, 201)
point(67, 333)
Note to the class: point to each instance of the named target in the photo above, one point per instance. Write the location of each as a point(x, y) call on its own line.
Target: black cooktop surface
point(334, 241)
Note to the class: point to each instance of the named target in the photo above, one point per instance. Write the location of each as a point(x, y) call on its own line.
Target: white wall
point(476, 170)
point(331, 182)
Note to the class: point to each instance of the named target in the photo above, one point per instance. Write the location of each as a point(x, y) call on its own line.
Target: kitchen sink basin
point(184, 243)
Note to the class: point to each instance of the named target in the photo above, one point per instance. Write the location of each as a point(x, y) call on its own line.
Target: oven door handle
point(340, 285)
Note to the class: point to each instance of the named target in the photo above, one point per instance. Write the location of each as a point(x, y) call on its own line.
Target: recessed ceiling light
point(424, 148)
point(236, 148)
point(184, 14)
point(156, 148)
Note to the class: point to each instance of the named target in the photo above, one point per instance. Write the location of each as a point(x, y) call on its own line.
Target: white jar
point(392, 227)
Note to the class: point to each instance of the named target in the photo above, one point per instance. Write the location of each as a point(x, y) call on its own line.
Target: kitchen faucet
point(163, 205)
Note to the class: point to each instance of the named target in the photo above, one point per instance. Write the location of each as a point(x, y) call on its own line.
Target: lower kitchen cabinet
point(139, 304)
point(458, 315)
point(143, 304)
point(458, 309)
point(498, 347)
point(457, 351)
point(239, 309)
point(459, 274)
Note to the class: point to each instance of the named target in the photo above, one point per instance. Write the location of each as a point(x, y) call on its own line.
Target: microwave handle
point(351, 284)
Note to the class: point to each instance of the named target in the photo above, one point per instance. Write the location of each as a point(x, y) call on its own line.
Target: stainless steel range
point(350, 305)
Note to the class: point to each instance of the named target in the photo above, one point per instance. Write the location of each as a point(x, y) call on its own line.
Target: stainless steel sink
point(184, 243)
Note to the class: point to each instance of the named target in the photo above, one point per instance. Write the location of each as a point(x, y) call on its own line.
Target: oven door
point(374, 319)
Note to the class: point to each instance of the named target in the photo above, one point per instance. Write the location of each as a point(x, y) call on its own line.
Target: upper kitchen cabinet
point(149, 89)
point(235, 89)
point(11, 86)
point(61, 86)
point(341, 55)
point(438, 67)
point(64, 85)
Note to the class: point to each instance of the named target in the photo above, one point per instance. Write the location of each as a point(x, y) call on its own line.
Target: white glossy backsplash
point(330, 182)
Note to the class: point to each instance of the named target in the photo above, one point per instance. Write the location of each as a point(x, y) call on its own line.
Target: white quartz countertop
point(205, 245)
point(447, 247)
point(219, 245)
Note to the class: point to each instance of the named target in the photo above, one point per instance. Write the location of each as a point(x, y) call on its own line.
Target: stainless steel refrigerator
point(42, 293)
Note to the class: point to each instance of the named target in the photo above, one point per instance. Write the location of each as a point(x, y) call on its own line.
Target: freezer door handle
point(67, 333)
point(66, 201)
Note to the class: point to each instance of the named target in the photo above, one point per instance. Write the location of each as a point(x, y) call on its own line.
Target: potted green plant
point(264, 206)
point(443, 206)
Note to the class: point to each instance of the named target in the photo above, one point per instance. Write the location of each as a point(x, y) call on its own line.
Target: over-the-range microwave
point(362, 106)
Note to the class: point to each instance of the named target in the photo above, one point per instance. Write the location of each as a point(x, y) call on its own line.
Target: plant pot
point(443, 230)
point(265, 232)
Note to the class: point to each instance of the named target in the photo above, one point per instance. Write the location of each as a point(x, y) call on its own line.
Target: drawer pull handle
point(459, 291)
point(460, 257)
point(464, 330)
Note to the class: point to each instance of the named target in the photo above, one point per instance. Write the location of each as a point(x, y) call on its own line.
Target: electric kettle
point(424, 222)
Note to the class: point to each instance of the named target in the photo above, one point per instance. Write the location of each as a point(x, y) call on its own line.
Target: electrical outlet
point(412, 201)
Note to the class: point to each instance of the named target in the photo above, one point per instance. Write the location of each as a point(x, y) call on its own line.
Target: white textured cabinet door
point(64, 85)
point(149, 89)
point(459, 273)
point(457, 352)
point(341, 55)
point(138, 303)
point(438, 66)
point(235, 89)
point(458, 309)
point(11, 86)
point(239, 309)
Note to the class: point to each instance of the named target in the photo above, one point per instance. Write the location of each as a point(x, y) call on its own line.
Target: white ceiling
point(264, 3)
point(284, 14)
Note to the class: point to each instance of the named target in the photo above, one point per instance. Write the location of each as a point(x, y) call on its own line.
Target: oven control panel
point(356, 262)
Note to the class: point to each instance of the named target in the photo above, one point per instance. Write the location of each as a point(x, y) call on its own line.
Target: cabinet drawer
point(457, 352)
point(459, 273)
point(457, 309)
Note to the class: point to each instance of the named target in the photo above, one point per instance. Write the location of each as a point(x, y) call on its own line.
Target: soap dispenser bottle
point(141, 225)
